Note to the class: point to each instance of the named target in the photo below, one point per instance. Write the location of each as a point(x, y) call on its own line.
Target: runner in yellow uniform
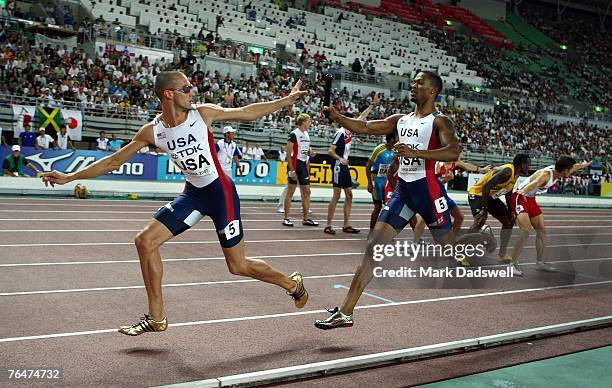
point(484, 198)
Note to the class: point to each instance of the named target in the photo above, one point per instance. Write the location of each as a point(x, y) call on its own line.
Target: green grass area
point(590, 368)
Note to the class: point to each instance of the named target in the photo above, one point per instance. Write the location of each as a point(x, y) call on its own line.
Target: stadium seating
point(340, 42)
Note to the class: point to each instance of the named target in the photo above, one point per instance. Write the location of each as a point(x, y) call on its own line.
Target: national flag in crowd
point(22, 115)
point(49, 118)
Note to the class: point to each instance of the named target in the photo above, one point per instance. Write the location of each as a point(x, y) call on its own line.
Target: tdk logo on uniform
point(187, 151)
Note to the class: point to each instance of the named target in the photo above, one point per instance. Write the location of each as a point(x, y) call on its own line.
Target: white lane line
point(182, 259)
point(222, 258)
point(78, 219)
point(22, 232)
point(73, 211)
point(126, 202)
point(153, 205)
point(309, 312)
point(208, 283)
point(279, 220)
point(211, 283)
point(595, 216)
point(264, 204)
point(247, 242)
point(176, 242)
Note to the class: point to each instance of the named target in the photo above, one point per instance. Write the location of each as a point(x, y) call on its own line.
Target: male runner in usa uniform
point(424, 137)
point(183, 131)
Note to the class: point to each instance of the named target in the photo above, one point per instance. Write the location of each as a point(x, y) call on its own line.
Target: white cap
point(228, 129)
point(16, 148)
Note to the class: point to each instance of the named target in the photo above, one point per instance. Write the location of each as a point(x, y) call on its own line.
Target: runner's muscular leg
point(383, 233)
point(305, 192)
point(458, 217)
point(374, 215)
point(239, 264)
point(289, 197)
point(331, 208)
point(348, 202)
point(525, 226)
point(540, 228)
point(147, 243)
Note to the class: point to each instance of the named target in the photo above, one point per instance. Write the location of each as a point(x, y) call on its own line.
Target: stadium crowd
point(588, 48)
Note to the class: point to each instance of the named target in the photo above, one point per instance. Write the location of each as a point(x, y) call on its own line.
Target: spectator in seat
point(115, 144)
point(356, 66)
point(102, 142)
point(259, 153)
point(27, 138)
point(12, 165)
point(64, 141)
point(43, 140)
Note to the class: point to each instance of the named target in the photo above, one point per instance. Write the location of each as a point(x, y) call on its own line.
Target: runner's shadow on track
point(146, 352)
point(335, 349)
point(305, 348)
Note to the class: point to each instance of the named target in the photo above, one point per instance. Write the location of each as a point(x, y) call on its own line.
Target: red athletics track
point(70, 276)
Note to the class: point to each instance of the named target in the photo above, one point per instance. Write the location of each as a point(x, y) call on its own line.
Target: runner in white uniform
point(528, 213)
point(182, 130)
point(298, 169)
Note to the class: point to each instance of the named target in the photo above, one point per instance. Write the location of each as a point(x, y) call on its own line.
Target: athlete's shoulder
point(156, 120)
point(205, 107)
point(151, 124)
point(339, 134)
point(401, 117)
point(505, 170)
point(146, 132)
point(441, 119)
point(380, 148)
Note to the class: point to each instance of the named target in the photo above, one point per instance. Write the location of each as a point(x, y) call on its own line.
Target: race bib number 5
point(441, 205)
point(232, 229)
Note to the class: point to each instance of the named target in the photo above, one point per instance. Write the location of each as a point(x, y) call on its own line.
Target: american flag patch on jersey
point(161, 135)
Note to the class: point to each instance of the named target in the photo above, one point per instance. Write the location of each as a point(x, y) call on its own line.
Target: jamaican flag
point(49, 118)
